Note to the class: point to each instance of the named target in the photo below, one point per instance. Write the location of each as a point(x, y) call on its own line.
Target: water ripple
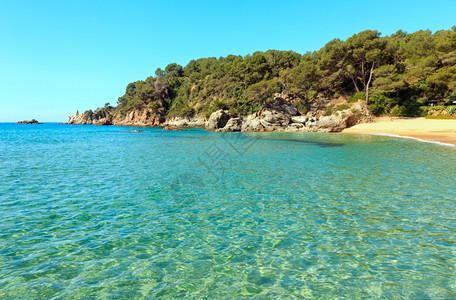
point(100, 212)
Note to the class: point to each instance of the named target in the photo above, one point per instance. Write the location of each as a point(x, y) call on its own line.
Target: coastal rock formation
point(329, 124)
point(101, 116)
point(333, 123)
point(103, 121)
point(252, 123)
point(217, 120)
point(279, 114)
point(233, 124)
point(138, 117)
point(32, 121)
point(80, 119)
point(187, 121)
point(273, 115)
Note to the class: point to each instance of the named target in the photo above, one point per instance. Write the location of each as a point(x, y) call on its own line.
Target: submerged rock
point(174, 128)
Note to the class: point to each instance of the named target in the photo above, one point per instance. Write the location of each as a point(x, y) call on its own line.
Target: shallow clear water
point(102, 212)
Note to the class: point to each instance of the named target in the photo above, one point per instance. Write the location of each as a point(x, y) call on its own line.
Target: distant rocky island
point(342, 84)
point(32, 121)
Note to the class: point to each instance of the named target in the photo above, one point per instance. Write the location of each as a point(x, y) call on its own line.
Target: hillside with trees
point(395, 75)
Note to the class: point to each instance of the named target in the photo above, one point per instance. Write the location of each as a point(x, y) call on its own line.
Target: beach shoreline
point(428, 130)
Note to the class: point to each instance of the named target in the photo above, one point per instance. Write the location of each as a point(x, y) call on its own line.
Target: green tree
point(364, 53)
point(303, 78)
point(388, 80)
point(443, 82)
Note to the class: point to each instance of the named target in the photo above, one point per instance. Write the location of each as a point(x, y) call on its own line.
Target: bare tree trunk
point(354, 83)
point(363, 74)
point(368, 83)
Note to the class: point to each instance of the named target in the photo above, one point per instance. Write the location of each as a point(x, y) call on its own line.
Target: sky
point(59, 56)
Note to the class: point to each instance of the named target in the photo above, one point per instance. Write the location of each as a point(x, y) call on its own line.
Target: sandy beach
point(443, 131)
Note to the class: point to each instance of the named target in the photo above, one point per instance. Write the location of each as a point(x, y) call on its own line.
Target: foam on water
point(414, 138)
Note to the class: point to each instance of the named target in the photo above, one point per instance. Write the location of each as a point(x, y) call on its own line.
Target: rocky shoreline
point(276, 115)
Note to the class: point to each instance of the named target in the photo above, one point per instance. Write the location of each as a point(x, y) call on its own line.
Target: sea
point(94, 212)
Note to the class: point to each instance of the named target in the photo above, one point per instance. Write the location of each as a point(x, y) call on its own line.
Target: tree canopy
point(401, 70)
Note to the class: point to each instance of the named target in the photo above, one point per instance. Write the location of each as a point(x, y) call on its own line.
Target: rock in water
point(174, 128)
point(32, 121)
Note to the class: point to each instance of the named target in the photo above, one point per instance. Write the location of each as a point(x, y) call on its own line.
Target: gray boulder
point(217, 120)
point(330, 124)
point(295, 127)
point(299, 119)
point(233, 124)
point(272, 118)
point(276, 114)
point(252, 123)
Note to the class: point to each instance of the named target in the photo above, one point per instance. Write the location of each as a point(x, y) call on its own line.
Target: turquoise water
point(101, 212)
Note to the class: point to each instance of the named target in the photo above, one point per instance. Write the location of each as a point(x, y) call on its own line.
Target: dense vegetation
point(394, 74)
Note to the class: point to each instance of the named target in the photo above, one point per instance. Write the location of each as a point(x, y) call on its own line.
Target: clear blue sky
point(59, 56)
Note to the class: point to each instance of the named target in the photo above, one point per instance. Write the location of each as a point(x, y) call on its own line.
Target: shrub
point(398, 111)
point(88, 113)
point(336, 95)
point(356, 97)
point(424, 111)
point(187, 112)
point(381, 104)
point(452, 110)
point(342, 107)
point(302, 106)
point(329, 110)
point(443, 117)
